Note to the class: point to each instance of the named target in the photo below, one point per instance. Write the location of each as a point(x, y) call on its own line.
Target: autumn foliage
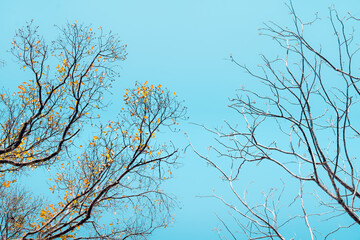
point(104, 175)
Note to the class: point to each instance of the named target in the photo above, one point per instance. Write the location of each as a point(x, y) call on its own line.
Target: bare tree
point(105, 175)
point(303, 121)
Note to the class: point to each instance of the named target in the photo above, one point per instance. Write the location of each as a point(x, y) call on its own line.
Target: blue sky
point(184, 45)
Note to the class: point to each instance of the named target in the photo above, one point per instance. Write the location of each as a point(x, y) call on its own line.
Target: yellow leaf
point(72, 108)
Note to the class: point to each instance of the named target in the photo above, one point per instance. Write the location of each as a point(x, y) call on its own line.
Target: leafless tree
point(302, 119)
point(105, 175)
